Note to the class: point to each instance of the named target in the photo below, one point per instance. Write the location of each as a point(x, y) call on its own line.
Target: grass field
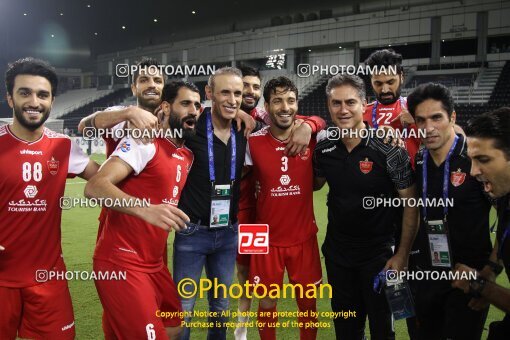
point(79, 230)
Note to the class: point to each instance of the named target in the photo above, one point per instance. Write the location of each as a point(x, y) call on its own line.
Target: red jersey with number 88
point(32, 182)
point(285, 201)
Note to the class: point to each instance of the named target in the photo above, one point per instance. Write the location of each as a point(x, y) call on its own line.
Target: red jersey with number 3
point(388, 115)
point(285, 201)
point(160, 170)
point(32, 181)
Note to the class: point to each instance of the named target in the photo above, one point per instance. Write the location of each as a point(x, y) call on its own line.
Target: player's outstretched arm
point(302, 132)
point(409, 230)
point(137, 118)
point(248, 121)
point(103, 185)
point(90, 170)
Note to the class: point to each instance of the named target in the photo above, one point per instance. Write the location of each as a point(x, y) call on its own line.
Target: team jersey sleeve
point(136, 155)
point(316, 123)
point(247, 159)
point(78, 160)
point(317, 170)
point(262, 116)
point(399, 168)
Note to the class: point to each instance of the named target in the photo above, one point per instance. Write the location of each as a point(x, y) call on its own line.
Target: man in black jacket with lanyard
point(489, 149)
point(454, 223)
point(358, 169)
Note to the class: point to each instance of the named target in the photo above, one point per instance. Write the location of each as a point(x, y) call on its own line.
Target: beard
point(178, 124)
point(388, 101)
point(281, 126)
point(27, 124)
point(247, 108)
point(150, 104)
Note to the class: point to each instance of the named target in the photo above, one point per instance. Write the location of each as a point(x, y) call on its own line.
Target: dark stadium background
point(462, 44)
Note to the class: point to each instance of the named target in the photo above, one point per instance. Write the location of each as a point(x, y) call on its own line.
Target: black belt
point(198, 223)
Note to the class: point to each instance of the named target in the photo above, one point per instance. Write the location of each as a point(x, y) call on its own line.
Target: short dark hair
point(386, 57)
point(492, 125)
point(145, 62)
point(250, 71)
point(284, 82)
point(171, 90)
point(30, 66)
point(347, 79)
point(433, 91)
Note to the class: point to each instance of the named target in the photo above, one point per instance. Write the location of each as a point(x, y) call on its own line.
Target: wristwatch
point(495, 267)
point(476, 286)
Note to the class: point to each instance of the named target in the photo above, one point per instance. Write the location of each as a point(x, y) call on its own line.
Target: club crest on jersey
point(305, 154)
point(125, 147)
point(365, 166)
point(53, 166)
point(457, 178)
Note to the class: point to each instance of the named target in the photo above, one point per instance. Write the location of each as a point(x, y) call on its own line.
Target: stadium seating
point(74, 99)
point(72, 118)
point(487, 89)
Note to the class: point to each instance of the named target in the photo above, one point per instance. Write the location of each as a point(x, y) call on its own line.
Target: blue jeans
point(196, 247)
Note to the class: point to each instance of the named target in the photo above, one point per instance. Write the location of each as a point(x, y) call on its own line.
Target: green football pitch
point(79, 231)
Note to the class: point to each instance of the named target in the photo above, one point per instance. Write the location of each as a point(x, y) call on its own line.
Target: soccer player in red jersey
point(35, 164)
point(247, 200)
point(146, 87)
point(284, 181)
point(390, 108)
point(133, 238)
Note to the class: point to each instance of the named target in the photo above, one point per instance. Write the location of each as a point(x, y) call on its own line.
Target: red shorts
point(132, 307)
point(44, 311)
point(302, 262)
point(243, 259)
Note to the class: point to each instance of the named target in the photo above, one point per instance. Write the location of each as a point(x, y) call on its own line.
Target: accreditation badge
point(400, 299)
point(220, 206)
point(440, 254)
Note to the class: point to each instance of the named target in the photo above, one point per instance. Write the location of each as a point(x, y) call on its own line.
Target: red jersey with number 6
point(32, 181)
point(160, 170)
point(285, 201)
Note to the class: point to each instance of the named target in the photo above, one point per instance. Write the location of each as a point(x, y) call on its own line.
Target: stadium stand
point(474, 92)
point(72, 118)
point(74, 99)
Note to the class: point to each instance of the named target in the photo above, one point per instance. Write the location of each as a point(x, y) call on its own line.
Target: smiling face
point(346, 107)
point(226, 95)
point(387, 87)
point(282, 108)
point(431, 116)
point(489, 165)
point(148, 89)
point(31, 100)
point(251, 92)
